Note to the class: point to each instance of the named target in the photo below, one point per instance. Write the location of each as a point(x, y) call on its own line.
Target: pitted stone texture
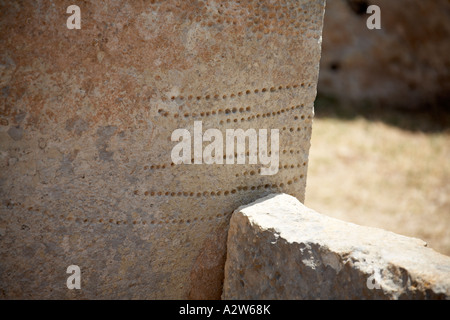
point(405, 64)
point(86, 119)
point(280, 249)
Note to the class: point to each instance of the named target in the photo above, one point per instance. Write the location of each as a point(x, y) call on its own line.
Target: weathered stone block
point(280, 249)
point(86, 121)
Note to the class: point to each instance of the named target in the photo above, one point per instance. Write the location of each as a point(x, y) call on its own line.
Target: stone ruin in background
point(86, 122)
point(405, 64)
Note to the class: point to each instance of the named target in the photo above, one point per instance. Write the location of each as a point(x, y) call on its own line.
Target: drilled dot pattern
point(227, 111)
point(160, 193)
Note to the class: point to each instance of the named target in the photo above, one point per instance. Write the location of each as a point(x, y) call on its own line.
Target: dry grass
point(375, 174)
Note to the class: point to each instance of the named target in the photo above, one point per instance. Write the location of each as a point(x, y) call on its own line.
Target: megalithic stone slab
point(87, 115)
point(280, 249)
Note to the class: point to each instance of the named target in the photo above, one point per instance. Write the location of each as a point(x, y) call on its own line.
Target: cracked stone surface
point(280, 249)
point(86, 119)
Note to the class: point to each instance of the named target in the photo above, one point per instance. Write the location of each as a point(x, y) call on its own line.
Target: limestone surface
point(280, 249)
point(86, 121)
point(405, 64)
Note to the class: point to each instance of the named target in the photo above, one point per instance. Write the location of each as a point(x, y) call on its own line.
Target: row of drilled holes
point(240, 93)
point(125, 222)
point(164, 166)
point(298, 129)
point(235, 110)
point(229, 18)
point(260, 15)
point(206, 113)
point(165, 113)
point(217, 193)
point(143, 222)
point(267, 115)
point(281, 167)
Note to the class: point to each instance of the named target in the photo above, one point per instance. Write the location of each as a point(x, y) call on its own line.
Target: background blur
point(380, 153)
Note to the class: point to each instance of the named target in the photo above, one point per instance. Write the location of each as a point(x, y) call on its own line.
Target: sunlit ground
point(372, 173)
